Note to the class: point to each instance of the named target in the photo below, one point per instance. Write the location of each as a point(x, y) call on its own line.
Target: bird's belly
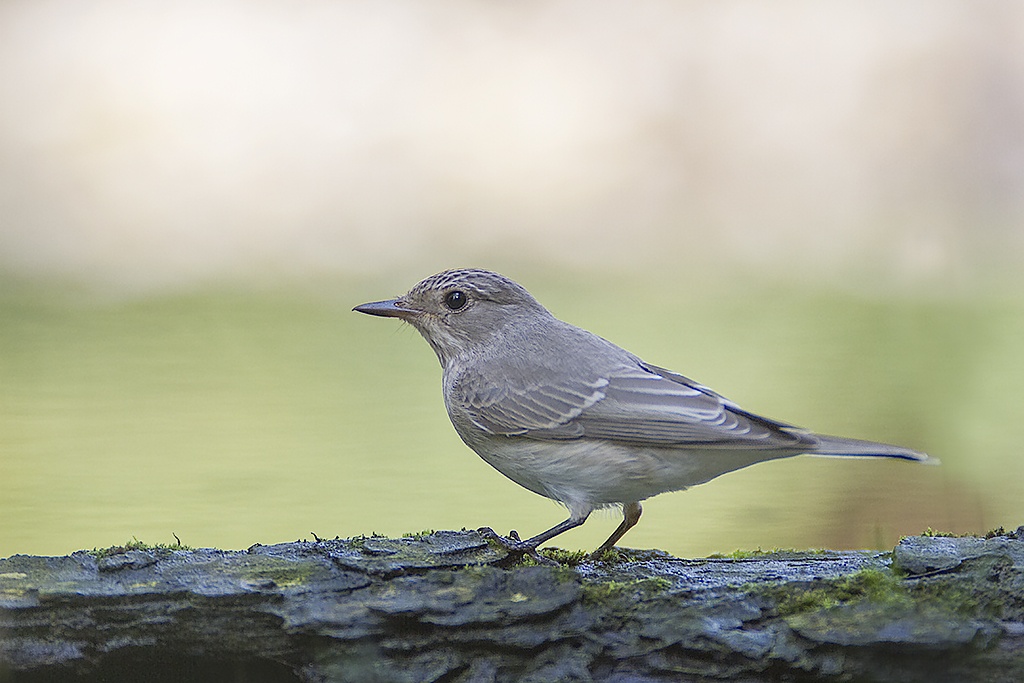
point(587, 474)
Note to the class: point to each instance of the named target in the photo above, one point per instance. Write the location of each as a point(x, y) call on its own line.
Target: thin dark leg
point(545, 536)
point(630, 516)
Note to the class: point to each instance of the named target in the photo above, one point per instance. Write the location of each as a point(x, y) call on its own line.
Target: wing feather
point(636, 403)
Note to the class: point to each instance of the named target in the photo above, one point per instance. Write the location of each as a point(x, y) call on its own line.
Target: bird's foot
point(515, 547)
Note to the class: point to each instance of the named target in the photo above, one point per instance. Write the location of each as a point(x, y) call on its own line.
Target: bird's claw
point(511, 543)
point(514, 546)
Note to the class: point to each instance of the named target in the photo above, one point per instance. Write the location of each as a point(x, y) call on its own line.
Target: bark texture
point(448, 606)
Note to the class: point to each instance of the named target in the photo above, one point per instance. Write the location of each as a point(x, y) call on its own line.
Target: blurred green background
point(816, 211)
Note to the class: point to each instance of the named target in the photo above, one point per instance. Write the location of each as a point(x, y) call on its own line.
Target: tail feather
point(838, 446)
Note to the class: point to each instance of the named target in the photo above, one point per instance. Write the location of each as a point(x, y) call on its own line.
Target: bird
point(573, 417)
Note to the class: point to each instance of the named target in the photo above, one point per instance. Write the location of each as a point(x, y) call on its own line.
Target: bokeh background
point(817, 209)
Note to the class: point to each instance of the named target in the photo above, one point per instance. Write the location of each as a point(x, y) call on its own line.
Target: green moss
point(655, 584)
point(934, 533)
point(979, 595)
point(569, 558)
point(284, 575)
point(1001, 532)
point(419, 534)
point(136, 544)
point(611, 556)
point(871, 585)
point(876, 585)
point(359, 542)
point(991, 533)
point(601, 592)
point(885, 588)
point(527, 561)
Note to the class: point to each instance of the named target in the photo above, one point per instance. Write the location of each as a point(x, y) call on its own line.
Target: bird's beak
point(389, 309)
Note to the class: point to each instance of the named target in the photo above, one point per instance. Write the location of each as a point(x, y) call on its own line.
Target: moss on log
point(447, 606)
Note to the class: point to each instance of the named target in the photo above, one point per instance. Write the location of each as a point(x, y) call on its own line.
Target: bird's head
point(459, 310)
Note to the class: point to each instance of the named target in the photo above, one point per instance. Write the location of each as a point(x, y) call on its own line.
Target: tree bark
point(449, 606)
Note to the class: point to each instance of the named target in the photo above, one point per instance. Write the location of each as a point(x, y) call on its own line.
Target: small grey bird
point(577, 419)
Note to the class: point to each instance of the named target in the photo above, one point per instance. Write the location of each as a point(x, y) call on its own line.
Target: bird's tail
point(838, 446)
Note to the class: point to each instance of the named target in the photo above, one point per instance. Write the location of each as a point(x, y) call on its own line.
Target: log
point(449, 606)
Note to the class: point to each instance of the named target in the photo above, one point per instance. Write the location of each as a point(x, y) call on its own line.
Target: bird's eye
point(455, 300)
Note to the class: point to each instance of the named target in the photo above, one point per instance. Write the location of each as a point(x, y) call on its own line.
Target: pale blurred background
point(816, 209)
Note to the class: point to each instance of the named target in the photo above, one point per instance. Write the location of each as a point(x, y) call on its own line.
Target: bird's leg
point(545, 536)
point(514, 546)
point(630, 516)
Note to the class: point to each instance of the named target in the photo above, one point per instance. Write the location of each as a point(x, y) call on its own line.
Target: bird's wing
point(509, 409)
point(635, 403)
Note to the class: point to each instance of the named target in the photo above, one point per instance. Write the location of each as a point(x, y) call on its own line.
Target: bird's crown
point(484, 284)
